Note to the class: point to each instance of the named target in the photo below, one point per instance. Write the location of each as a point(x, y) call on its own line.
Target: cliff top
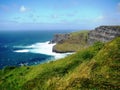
point(70, 42)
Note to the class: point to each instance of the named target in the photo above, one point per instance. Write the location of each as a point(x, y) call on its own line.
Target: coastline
point(70, 42)
point(45, 48)
point(28, 50)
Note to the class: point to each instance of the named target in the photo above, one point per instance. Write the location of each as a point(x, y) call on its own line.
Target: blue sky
point(58, 14)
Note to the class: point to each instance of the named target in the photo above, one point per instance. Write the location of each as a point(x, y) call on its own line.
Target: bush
point(98, 45)
point(8, 68)
point(87, 55)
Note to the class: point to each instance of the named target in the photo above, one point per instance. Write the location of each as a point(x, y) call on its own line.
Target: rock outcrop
point(103, 34)
point(59, 38)
point(75, 41)
point(71, 42)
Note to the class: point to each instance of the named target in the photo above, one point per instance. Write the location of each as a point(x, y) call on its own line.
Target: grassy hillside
point(75, 42)
point(94, 68)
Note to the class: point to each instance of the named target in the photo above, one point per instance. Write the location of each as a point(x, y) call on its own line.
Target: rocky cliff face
point(103, 34)
point(74, 41)
point(70, 42)
point(59, 38)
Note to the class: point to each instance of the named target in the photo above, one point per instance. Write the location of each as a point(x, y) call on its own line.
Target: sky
point(58, 14)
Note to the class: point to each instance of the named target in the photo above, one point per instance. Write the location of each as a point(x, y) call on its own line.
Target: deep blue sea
point(27, 47)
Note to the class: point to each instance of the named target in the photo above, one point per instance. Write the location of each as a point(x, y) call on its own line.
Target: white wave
point(42, 48)
point(22, 51)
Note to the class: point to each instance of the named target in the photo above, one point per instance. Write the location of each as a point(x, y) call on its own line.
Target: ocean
point(27, 47)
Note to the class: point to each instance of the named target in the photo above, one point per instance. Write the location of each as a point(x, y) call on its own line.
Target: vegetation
point(94, 68)
point(76, 41)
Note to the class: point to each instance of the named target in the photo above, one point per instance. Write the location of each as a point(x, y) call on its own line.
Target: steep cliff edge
point(70, 42)
point(59, 38)
point(103, 34)
point(77, 40)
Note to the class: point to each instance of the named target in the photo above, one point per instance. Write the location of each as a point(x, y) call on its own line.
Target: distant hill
point(93, 68)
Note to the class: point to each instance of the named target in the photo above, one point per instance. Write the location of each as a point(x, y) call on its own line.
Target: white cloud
point(23, 9)
point(99, 18)
point(108, 19)
point(54, 16)
point(119, 4)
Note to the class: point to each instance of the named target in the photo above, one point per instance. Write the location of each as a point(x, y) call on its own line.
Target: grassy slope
point(77, 41)
point(96, 68)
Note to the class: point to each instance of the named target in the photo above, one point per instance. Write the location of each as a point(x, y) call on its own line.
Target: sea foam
point(41, 48)
point(22, 51)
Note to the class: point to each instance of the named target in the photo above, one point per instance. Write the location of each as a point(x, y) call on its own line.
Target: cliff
point(69, 42)
point(59, 38)
point(103, 34)
point(75, 41)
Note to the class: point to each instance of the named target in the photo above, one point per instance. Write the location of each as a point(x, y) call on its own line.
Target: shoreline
point(45, 48)
point(41, 48)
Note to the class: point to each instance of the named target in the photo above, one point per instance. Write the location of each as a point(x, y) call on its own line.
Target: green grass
point(94, 68)
point(76, 41)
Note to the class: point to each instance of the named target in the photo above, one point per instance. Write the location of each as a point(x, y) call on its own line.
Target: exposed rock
point(59, 38)
point(67, 42)
point(71, 42)
point(103, 34)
